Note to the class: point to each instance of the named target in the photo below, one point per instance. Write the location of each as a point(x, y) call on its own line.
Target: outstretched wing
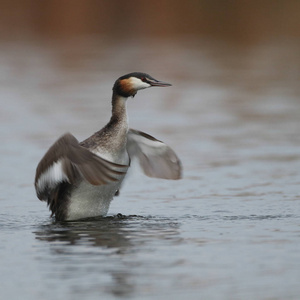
point(156, 158)
point(66, 161)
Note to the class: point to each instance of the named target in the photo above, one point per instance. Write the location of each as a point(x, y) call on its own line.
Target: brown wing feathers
point(156, 158)
point(68, 161)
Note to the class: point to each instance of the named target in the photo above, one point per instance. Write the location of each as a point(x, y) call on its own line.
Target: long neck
point(118, 122)
point(119, 112)
point(112, 138)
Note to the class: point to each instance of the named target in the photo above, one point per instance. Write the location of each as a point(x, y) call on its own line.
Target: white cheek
point(138, 84)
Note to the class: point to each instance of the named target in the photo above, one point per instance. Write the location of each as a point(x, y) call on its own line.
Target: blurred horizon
point(236, 21)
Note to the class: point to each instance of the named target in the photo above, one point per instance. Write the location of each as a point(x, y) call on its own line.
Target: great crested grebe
point(79, 180)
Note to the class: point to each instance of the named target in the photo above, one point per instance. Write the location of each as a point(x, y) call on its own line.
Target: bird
point(78, 180)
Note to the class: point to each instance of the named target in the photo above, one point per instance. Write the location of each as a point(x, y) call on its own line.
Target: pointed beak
point(158, 83)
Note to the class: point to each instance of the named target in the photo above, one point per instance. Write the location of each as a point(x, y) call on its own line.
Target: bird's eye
point(144, 79)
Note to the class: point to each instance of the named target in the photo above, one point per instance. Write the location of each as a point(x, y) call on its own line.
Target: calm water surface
point(230, 229)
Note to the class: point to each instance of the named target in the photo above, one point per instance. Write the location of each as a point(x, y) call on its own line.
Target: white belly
point(89, 200)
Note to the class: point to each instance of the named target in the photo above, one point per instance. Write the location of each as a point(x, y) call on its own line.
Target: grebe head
point(129, 84)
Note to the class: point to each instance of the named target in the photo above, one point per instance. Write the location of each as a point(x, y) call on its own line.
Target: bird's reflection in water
point(104, 250)
point(100, 232)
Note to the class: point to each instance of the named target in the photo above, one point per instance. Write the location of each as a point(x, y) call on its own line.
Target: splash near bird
point(79, 180)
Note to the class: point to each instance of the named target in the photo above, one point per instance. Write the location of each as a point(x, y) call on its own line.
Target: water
point(228, 230)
